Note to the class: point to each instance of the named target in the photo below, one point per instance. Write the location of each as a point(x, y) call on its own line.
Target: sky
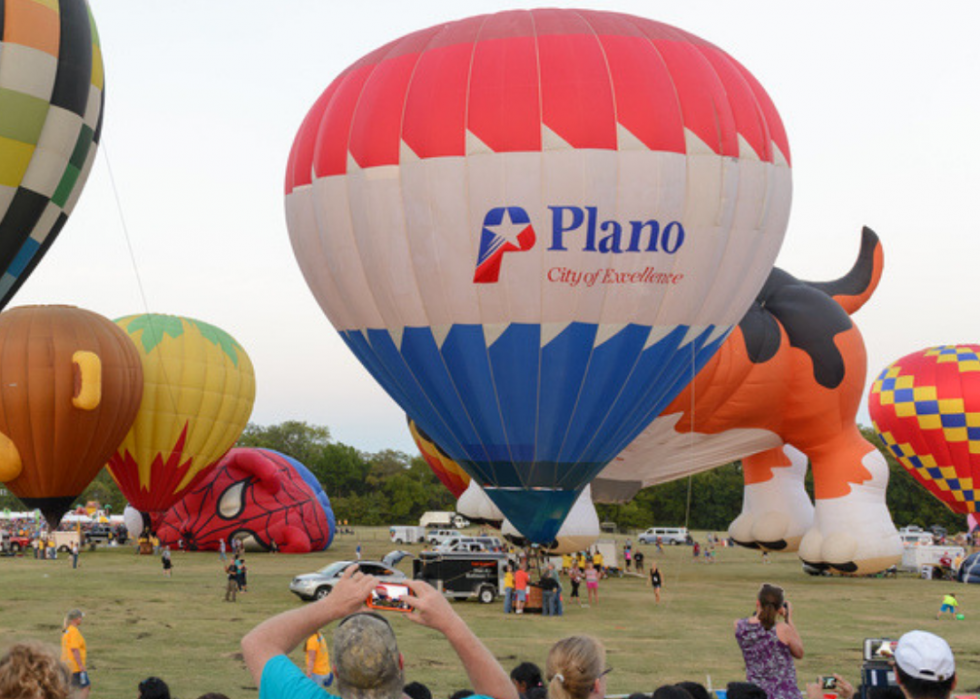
point(183, 211)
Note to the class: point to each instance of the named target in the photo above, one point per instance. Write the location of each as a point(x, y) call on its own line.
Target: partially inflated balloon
point(51, 97)
point(71, 387)
point(926, 409)
point(198, 395)
point(447, 471)
point(533, 227)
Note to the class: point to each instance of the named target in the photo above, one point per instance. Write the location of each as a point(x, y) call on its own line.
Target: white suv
point(438, 536)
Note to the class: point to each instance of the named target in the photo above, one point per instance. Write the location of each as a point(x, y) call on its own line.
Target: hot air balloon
point(447, 471)
point(792, 373)
point(71, 387)
point(258, 496)
point(50, 123)
point(533, 228)
point(925, 408)
point(197, 397)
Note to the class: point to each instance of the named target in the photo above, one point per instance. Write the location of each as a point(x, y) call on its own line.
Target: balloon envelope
point(258, 495)
point(533, 227)
point(198, 394)
point(71, 387)
point(50, 124)
point(926, 409)
point(447, 471)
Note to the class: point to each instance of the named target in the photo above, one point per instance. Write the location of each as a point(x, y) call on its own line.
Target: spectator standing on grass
point(521, 580)
point(769, 644)
point(638, 559)
point(32, 671)
point(231, 590)
point(508, 589)
point(656, 580)
point(318, 660)
point(222, 550)
point(168, 565)
point(576, 669)
point(74, 653)
point(242, 575)
point(549, 586)
point(366, 661)
point(575, 577)
point(74, 554)
point(592, 583)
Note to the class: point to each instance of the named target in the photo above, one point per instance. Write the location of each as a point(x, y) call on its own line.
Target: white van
point(667, 535)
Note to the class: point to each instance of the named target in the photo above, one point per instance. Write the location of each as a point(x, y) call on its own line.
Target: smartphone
point(827, 682)
point(879, 648)
point(388, 597)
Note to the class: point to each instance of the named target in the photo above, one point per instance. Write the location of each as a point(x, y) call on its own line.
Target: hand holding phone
point(388, 597)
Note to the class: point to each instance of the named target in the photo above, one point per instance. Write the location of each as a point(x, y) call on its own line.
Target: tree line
point(391, 487)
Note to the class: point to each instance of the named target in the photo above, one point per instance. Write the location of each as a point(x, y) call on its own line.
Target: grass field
point(140, 623)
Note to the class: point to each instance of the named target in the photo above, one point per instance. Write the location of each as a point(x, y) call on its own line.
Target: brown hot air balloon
point(70, 385)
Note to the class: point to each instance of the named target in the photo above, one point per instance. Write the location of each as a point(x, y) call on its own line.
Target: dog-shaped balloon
point(792, 373)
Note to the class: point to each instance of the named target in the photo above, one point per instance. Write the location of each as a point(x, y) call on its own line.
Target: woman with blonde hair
point(769, 643)
point(32, 671)
point(576, 669)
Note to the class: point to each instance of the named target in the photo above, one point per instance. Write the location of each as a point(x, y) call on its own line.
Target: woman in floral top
point(769, 645)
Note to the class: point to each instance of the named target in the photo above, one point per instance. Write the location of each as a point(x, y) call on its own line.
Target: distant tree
point(294, 438)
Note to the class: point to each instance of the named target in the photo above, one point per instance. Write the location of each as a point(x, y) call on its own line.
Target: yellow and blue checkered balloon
point(926, 409)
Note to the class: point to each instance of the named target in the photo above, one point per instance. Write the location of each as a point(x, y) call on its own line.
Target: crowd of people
point(366, 662)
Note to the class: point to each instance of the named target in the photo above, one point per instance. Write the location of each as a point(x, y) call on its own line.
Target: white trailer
point(407, 535)
point(916, 556)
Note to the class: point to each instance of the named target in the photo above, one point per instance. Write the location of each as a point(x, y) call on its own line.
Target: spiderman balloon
point(926, 409)
point(268, 500)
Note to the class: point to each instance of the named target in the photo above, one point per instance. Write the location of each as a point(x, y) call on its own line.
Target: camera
point(387, 597)
point(879, 649)
point(827, 682)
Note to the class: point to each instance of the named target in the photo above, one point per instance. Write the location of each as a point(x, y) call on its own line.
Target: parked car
point(318, 585)
point(438, 536)
point(462, 543)
point(667, 535)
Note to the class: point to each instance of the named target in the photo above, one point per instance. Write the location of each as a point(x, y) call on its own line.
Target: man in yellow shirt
point(597, 562)
point(318, 660)
point(74, 654)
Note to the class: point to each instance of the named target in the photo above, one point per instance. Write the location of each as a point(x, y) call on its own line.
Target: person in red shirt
point(521, 579)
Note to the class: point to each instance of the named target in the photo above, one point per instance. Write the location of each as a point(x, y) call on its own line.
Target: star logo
point(505, 229)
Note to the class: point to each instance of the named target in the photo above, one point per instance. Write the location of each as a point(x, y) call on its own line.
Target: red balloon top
point(523, 79)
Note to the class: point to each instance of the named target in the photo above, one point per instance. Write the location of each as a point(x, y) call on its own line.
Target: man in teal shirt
point(366, 660)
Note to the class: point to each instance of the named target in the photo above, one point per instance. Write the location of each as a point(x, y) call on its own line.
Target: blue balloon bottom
point(537, 513)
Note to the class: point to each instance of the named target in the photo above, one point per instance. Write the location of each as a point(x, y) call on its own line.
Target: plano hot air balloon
point(533, 228)
point(51, 98)
point(71, 387)
point(925, 408)
point(199, 387)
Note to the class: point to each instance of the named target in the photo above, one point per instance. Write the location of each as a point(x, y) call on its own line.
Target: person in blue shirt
point(366, 660)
